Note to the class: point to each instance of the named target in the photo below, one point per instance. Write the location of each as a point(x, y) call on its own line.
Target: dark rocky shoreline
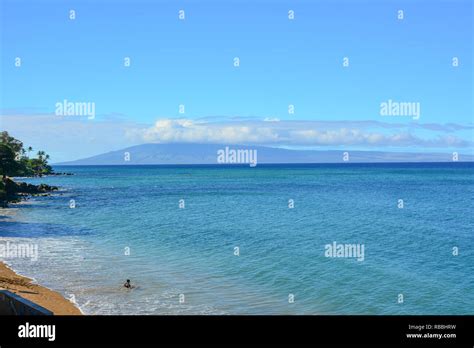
point(14, 192)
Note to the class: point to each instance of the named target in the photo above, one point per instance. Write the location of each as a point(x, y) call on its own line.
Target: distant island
point(15, 160)
point(192, 153)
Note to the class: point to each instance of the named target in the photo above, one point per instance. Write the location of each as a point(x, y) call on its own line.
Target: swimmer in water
point(127, 284)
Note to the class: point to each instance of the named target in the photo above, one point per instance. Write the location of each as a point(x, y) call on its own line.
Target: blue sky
point(282, 62)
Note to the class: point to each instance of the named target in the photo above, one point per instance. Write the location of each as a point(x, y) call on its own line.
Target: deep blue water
point(190, 251)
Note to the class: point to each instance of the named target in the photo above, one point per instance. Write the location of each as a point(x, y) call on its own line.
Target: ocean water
point(191, 250)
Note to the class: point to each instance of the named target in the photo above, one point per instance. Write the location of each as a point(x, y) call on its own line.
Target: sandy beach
point(42, 296)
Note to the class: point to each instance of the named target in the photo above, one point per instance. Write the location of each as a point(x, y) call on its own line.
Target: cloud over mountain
point(297, 133)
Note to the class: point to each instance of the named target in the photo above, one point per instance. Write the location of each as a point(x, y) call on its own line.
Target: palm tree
point(40, 155)
point(39, 163)
point(29, 150)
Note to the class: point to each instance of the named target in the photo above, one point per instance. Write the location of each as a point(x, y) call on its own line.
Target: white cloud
point(188, 131)
point(304, 133)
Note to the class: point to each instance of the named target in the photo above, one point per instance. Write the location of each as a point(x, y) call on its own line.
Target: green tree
point(15, 144)
point(8, 164)
point(40, 165)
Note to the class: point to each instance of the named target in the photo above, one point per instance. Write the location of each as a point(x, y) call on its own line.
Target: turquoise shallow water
point(190, 251)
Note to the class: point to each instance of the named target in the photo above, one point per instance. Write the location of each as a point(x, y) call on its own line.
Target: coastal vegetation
point(16, 161)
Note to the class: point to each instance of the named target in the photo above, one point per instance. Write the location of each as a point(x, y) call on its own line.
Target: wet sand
point(42, 296)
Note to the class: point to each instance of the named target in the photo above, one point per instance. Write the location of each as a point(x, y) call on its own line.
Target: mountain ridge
point(192, 153)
